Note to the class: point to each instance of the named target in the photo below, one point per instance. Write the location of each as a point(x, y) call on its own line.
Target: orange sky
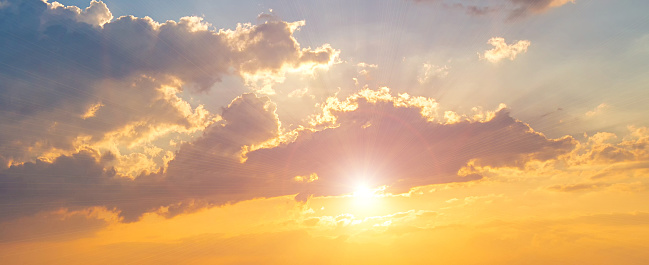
point(283, 140)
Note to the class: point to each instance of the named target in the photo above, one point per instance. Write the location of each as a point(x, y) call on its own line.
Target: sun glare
point(332, 132)
point(363, 191)
point(366, 197)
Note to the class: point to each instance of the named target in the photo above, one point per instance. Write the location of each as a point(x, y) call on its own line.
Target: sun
point(365, 197)
point(362, 191)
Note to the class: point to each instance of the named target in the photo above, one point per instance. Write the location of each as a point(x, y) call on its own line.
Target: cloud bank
point(370, 137)
point(81, 91)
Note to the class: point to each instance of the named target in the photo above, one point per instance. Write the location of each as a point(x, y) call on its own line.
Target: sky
point(324, 132)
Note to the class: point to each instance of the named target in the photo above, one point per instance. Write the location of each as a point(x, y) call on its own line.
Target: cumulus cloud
point(97, 14)
point(371, 136)
point(75, 77)
point(79, 89)
point(604, 148)
point(94, 181)
point(118, 113)
point(502, 50)
point(265, 52)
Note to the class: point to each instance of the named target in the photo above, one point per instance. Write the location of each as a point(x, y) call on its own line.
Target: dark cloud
point(515, 9)
point(70, 180)
point(61, 62)
point(206, 168)
point(523, 8)
point(55, 226)
point(57, 62)
point(79, 181)
point(378, 143)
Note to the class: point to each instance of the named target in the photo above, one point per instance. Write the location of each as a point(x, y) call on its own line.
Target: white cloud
point(503, 51)
point(97, 14)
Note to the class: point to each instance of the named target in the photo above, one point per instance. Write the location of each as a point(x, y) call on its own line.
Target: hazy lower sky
point(324, 132)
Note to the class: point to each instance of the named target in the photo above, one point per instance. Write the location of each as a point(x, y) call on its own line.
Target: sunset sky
point(324, 132)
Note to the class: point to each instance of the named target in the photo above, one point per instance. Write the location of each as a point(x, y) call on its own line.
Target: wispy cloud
point(524, 8)
point(515, 9)
point(598, 110)
point(430, 71)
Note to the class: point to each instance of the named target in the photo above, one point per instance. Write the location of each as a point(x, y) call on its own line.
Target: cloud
point(430, 71)
point(78, 93)
point(93, 180)
point(248, 120)
point(109, 114)
point(503, 51)
point(604, 148)
point(97, 14)
point(310, 178)
point(265, 52)
point(575, 187)
point(298, 93)
point(76, 77)
point(524, 8)
point(515, 9)
point(601, 163)
point(598, 110)
point(57, 225)
point(83, 89)
point(402, 147)
point(68, 180)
